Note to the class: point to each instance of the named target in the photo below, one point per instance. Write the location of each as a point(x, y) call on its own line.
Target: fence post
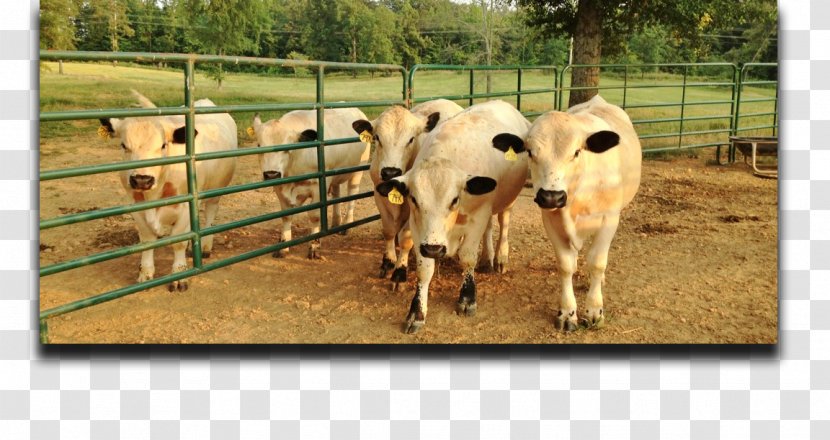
point(625, 85)
point(736, 106)
point(321, 152)
point(192, 188)
point(472, 86)
point(682, 107)
point(519, 90)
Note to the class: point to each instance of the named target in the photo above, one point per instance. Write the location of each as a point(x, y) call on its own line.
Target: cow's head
point(141, 139)
point(439, 195)
point(395, 136)
point(274, 165)
point(558, 145)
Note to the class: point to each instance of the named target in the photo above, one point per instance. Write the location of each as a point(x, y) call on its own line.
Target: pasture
point(694, 261)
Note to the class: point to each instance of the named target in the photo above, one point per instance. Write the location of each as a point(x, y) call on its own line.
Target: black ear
point(108, 125)
point(308, 135)
point(180, 135)
point(362, 125)
point(432, 121)
point(384, 188)
point(504, 141)
point(602, 141)
point(480, 185)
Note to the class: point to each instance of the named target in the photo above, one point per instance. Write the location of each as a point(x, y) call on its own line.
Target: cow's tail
point(142, 100)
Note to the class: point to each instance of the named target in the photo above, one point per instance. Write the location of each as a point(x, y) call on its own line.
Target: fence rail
point(718, 136)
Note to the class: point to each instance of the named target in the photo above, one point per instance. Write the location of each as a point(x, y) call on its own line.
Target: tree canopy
point(407, 32)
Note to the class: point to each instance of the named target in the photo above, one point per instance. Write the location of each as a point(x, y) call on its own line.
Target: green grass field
point(102, 85)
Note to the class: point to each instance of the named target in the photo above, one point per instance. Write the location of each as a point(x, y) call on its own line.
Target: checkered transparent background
point(585, 393)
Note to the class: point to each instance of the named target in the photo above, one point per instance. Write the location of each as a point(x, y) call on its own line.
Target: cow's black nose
point(550, 199)
point(142, 182)
point(433, 250)
point(390, 173)
point(268, 175)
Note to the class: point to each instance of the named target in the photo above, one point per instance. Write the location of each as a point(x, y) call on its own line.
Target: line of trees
point(407, 32)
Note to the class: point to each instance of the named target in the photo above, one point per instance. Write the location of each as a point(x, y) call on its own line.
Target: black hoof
point(279, 254)
point(594, 320)
point(205, 254)
point(464, 308)
point(385, 266)
point(566, 323)
point(412, 326)
point(399, 275)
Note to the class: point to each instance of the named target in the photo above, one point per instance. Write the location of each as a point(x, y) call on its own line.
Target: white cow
point(463, 175)
point(585, 166)
point(396, 135)
point(299, 126)
point(156, 137)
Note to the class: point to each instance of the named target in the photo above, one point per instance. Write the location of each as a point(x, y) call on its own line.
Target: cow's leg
point(147, 267)
point(211, 207)
point(285, 234)
point(389, 227)
point(181, 226)
point(417, 315)
point(597, 261)
point(406, 243)
point(336, 218)
point(500, 264)
point(468, 255)
point(353, 188)
point(314, 218)
point(566, 255)
point(486, 264)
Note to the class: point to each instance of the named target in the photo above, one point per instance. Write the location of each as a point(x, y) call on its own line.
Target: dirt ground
point(694, 261)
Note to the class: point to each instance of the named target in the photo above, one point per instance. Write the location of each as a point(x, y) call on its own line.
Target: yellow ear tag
point(366, 138)
point(510, 155)
point(395, 197)
point(103, 132)
point(250, 131)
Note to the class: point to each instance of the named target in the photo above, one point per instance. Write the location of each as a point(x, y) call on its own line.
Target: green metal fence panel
point(521, 72)
point(190, 158)
point(551, 75)
point(697, 101)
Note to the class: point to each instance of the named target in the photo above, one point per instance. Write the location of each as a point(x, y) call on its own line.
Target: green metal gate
point(189, 159)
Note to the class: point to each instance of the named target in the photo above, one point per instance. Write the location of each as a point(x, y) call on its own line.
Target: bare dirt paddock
point(694, 261)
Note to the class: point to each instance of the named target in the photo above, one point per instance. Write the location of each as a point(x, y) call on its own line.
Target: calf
point(585, 165)
point(156, 137)
point(396, 135)
point(457, 183)
point(296, 126)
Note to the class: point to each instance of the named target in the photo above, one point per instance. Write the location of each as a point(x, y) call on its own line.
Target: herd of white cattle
point(442, 175)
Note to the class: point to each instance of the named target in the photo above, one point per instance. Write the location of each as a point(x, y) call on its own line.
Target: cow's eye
point(164, 145)
point(411, 139)
point(414, 202)
point(123, 147)
point(529, 154)
point(576, 154)
point(454, 202)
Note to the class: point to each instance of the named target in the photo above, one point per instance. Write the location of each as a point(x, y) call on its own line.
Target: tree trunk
point(587, 49)
point(60, 67)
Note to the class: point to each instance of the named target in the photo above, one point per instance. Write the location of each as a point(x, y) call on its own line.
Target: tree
point(112, 13)
point(598, 25)
point(57, 25)
point(222, 27)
